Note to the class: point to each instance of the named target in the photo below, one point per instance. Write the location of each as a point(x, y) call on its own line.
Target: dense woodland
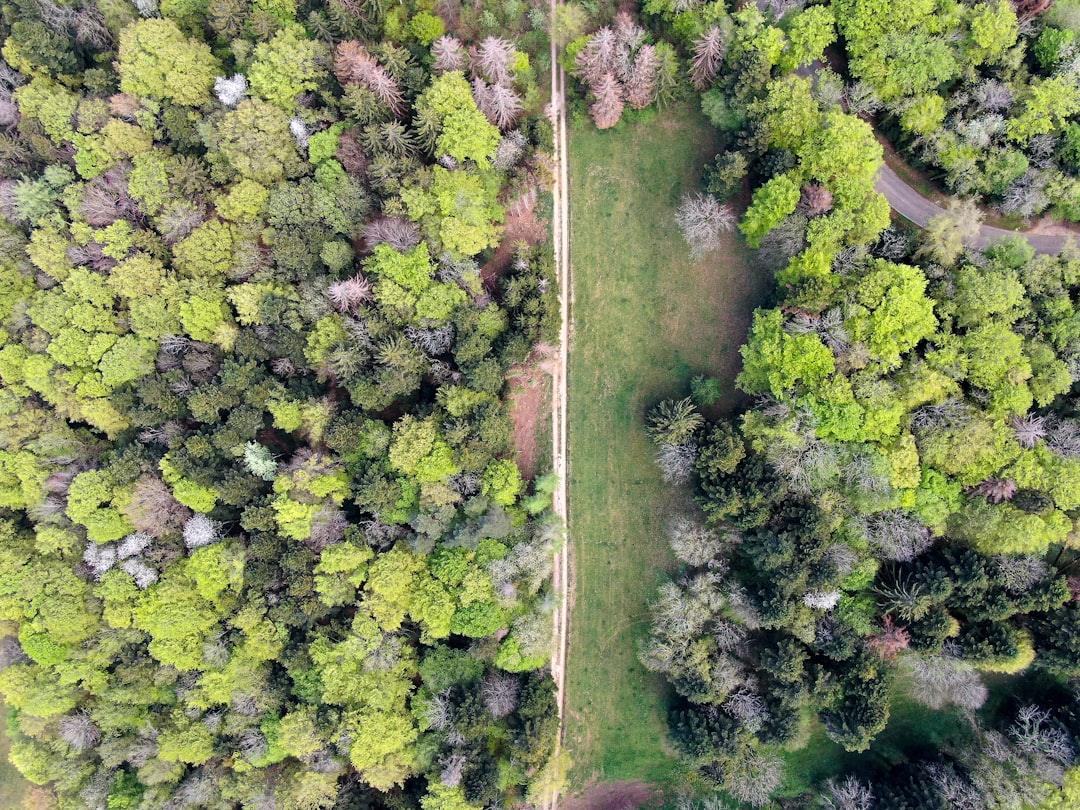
point(893, 513)
point(265, 543)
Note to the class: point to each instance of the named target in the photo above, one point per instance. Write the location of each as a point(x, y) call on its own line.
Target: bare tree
point(862, 100)
point(692, 542)
point(497, 102)
point(939, 680)
point(608, 107)
point(598, 57)
point(1020, 574)
point(453, 768)
point(349, 294)
point(448, 54)
point(641, 78)
point(1027, 195)
point(708, 54)
point(1037, 735)
point(993, 96)
point(201, 530)
point(231, 91)
point(747, 708)
point(753, 776)
point(1063, 437)
point(354, 65)
point(851, 794)
point(948, 232)
point(897, 535)
point(79, 731)
point(401, 234)
point(703, 220)
point(500, 693)
point(676, 462)
point(995, 490)
point(494, 59)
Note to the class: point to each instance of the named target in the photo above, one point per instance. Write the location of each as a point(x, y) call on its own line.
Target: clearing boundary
point(560, 228)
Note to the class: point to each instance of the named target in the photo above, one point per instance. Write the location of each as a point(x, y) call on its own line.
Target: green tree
point(157, 61)
point(284, 67)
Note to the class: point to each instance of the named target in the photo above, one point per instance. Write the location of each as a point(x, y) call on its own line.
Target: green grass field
point(646, 319)
point(12, 785)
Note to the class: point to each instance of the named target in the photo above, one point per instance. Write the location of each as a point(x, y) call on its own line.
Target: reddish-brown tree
point(609, 104)
point(708, 56)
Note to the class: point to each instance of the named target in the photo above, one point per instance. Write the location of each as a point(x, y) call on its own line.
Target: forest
point(890, 517)
point(264, 540)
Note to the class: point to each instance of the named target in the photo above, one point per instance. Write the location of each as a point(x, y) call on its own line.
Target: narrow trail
point(914, 207)
point(561, 235)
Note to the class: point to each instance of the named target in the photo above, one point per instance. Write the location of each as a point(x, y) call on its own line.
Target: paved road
point(911, 205)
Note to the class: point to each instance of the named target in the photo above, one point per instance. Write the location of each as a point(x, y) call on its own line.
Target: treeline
point(895, 512)
point(264, 540)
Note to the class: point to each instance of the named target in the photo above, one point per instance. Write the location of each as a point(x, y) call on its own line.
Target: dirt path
point(561, 233)
point(913, 206)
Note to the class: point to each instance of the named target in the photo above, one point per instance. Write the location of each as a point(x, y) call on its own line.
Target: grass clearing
point(12, 784)
point(646, 319)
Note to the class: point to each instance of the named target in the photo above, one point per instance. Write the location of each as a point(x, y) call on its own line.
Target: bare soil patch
point(627, 795)
point(529, 405)
point(521, 225)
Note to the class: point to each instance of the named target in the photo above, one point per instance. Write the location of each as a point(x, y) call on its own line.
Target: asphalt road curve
point(913, 206)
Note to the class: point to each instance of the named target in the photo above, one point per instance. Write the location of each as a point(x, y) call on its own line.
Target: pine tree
point(641, 78)
point(608, 107)
point(708, 56)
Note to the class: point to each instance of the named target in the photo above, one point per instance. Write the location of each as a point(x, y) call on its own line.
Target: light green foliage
point(52, 105)
point(1003, 529)
point(189, 493)
point(465, 132)
point(302, 492)
point(207, 252)
point(426, 28)
point(419, 450)
point(181, 610)
point(994, 29)
point(772, 202)
point(382, 750)
point(845, 156)
point(890, 312)
point(502, 482)
point(982, 293)
point(244, 202)
point(284, 67)
point(809, 34)
point(341, 570)
point(460, 208)
point(775, 361)
point(1044, 108)
point(789, 111)
point(157, 61)
point(923, 115)
point(323, 145)
point(94, 501)
point(900, 46)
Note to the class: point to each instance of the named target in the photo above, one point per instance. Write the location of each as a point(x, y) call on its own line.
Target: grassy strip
point(646, 319)
point(12, 784)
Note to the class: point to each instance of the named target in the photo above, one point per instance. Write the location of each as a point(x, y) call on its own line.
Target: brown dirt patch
point(521, 225)
point(529, 404)
point(614, 796)
point(1050, 227)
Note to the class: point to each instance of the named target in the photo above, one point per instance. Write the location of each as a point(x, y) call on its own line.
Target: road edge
point(559, 392)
